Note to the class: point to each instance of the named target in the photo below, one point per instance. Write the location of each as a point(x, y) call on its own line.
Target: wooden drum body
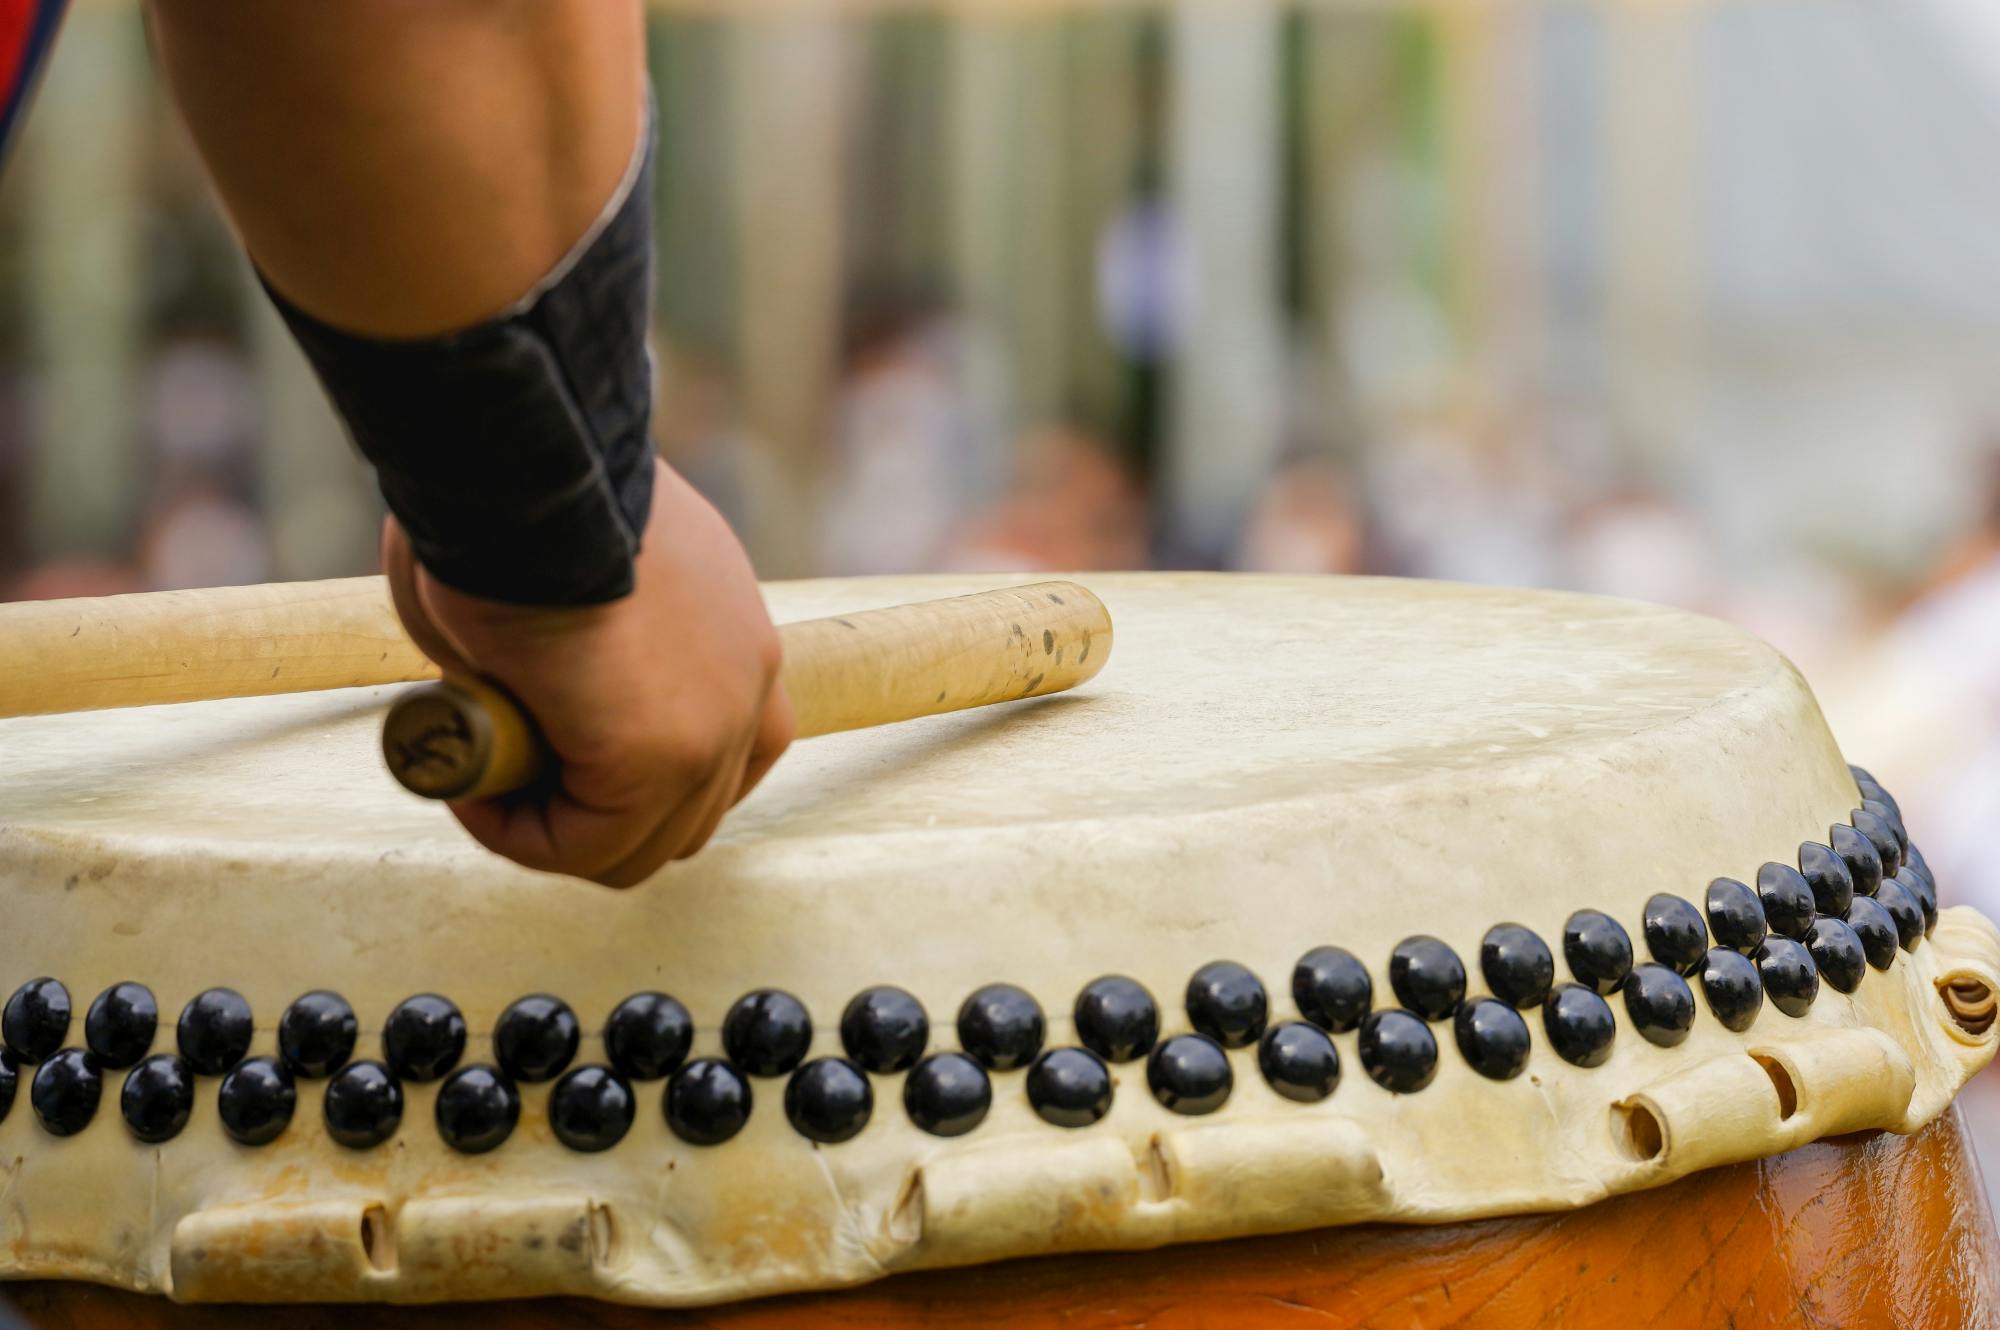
point(1277, 903)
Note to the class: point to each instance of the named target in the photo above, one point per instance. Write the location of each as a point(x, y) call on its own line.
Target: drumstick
point(463, 739)
point(90, 653)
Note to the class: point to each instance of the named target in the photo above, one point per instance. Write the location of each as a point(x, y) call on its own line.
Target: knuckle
point(769, 654)
point(694, 750)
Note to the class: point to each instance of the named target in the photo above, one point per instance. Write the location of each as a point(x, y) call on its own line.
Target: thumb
point(399, 565)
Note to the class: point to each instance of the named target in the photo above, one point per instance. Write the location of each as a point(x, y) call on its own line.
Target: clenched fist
point(663, 709)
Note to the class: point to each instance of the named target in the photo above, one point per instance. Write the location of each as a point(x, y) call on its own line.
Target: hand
point(663, 708)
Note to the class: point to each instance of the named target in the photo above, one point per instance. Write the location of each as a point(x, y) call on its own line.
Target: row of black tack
point(1849, 904)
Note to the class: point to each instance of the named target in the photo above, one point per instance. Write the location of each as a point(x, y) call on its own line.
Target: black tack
point(1873, 924)
point(829, 1100)
point(947, 1094)
point(1427, 976)
point(1598, 950)
point(120, 1025)
point(1492, 1037)
point(1675, 933)
point(1578, 1024)
point(1517, 964)
point(1069, 1087)
point(1791, 980)
point(1736, 915)
point(1836, 949)
point(1001, 1026)
point(707, 1102)
point(158, 1098)
point(1857, 852)
point(1226, 1002)
point(1397, 1050)
point(1332, 989)
point(1829, 877)
point(1190, 1074)
point(476, 1109)
point(65, 1091)
point(536, 1038)
point(767, 1032)
point(1299, 1061)
point(1734, 991)
point(36, 1019)
point(256, 1099)
point(884, 1029)
point(1116, 1018)
point(1787, 899)
point(1660, 1005)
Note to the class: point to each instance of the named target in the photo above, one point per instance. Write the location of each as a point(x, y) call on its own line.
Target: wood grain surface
point(185, 646)
point(1851, 1234)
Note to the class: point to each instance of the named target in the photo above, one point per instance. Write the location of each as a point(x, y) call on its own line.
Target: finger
point(399, 565)
point(558, 834)
point(685, 831)
point(724, 795)
point(775, 728)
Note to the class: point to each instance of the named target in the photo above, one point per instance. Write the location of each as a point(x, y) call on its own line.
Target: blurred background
point(1691, 302)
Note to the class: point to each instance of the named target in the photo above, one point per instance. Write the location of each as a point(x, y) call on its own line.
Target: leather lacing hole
point(378, 1239)
point(906, 1221)
point(1970, 1003)
point(1638, 1132)
point(603, 1236)
point(1781, 1081)
point(1156, 1174)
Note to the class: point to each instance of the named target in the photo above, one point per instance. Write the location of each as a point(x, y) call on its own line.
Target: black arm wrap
point(516, 453)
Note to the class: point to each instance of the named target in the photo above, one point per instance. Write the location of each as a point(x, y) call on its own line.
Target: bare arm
point(400, 168)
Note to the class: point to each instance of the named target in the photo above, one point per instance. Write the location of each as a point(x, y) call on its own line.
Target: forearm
point(448, 200)
point(400, 169)
point(448, 203)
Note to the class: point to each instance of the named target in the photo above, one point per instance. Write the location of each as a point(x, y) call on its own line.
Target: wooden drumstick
point(462, 739)
point(188, 646)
